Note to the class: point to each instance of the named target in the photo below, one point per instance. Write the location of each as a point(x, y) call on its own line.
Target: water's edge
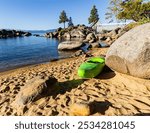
point(25, 51)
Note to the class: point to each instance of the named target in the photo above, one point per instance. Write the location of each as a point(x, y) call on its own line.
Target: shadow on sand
point(60, 88)
point(99, 107)
point(107, 73)
point(63, 87)
point(142, 114)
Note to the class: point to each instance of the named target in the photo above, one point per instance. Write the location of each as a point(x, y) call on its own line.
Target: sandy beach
point(110, 93)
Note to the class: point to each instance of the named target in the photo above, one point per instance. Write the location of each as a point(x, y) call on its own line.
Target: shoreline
point(32, 66)
point(110, 93)
point(92, 51)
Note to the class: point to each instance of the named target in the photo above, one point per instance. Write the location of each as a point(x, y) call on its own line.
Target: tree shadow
point(67, 86)
point(99, 107)
point(107, 75)
point(60, 88)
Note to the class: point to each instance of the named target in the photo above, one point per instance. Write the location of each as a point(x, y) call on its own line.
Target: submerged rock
point(70, 45)
point(130, 54)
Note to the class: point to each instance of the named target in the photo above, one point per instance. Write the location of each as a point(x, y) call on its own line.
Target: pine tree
point(113, 10)
point(63, 18)
point(94, 17)
point(134, 10)
point(128, 10)
point(70, 23)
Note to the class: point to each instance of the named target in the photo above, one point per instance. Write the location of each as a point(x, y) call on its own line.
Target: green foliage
point(63, 18)
point(134, 24)
point(133, 10)
point(113, 9)
point(131, 26)
point(144, 20)
point(94, 17)
point(70, 23)
point(129, 10)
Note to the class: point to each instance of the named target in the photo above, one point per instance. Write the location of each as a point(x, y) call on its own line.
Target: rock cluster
point(80, 31)
point(86, 34)
point(109, 37)
point(13, 33)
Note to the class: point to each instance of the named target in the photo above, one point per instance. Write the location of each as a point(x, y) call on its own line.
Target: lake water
point(22, 51)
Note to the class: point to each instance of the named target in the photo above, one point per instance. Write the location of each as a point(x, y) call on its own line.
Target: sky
point(44, 14)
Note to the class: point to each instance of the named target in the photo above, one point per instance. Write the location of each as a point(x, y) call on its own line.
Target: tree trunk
point(64, 25)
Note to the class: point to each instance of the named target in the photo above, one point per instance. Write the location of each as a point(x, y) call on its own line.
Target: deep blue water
point(22, 51)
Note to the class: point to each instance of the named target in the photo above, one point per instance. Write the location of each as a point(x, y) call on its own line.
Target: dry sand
point(109, 94)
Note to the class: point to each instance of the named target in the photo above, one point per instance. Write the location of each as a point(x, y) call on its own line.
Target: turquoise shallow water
point(23, 51)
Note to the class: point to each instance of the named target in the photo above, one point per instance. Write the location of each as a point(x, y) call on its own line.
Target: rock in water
point(130, 54)
point(27, 34)
point(70, 45)
point(34, 88)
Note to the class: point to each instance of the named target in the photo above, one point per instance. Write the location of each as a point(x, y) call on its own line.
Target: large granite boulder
point(130, 54)
point(70, 45)
point(33, 89)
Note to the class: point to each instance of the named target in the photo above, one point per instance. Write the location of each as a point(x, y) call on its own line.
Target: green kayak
point(91, 68)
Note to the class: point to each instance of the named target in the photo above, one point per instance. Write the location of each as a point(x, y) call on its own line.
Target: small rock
point(108, 39)
point(95, 45)
point(27, 34)
point(78, 53)
point(4, 88)
point(90, 37)
point(80, 109)
point(12, 86)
